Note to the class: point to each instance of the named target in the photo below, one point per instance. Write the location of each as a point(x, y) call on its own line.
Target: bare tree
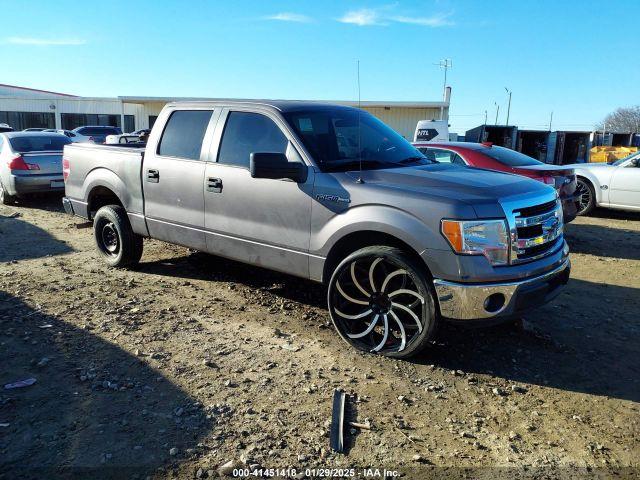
point(623, 120)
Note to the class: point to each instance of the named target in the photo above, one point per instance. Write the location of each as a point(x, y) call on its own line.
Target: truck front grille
point(536, 231)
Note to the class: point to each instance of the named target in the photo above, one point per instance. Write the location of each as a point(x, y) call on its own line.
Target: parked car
point(492, 157)
point(38, 129)
point(615, 185)
point(400, 241)
point(124, 138)
point(68, 133)
point(96, 134)
point(143, 131)
point(5, 128)
point(30, 162)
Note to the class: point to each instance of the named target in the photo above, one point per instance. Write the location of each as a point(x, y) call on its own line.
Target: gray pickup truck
point(332, 194)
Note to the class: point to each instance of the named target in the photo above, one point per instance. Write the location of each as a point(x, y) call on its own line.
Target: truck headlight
point(479, 237)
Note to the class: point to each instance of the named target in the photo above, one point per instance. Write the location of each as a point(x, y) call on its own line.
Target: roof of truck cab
point(280, 105)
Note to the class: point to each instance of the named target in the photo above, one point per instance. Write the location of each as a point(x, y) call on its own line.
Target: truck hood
point(482, 189)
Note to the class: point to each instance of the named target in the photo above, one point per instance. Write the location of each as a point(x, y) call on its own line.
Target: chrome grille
point(535, 230)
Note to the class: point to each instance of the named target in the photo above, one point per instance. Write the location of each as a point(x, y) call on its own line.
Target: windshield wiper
point(414, 160)
point(355, 165)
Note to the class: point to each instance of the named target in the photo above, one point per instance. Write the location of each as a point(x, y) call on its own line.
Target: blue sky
point(577, 58)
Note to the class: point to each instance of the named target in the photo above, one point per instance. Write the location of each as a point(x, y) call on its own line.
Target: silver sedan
point(30, 162)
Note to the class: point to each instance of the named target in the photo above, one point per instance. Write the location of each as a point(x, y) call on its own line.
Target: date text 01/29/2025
point(315, 473)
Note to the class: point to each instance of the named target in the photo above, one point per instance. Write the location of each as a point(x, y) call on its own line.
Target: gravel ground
point(192, 362)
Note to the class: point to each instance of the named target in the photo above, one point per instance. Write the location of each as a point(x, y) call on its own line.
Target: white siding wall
point(404, 119)
point(60, 105)
point(401, 119)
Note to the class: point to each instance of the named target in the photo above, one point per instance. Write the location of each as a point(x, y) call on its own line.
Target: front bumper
point(459, 301)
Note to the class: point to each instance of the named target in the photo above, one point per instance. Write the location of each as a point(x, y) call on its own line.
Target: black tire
point(5, 198)
point(399, 298)
point(586, 196)
point(117, 244)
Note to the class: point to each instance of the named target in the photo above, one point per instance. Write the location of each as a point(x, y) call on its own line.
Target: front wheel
point(117, 244)
point(380, 301)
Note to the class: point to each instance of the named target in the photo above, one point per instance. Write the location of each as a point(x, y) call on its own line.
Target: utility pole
point(550, 121)
point(445, 64)
point(497, 111)
point(485, 117)
point(509, 106)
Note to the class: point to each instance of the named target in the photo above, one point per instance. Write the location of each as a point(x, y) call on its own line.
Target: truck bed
point(118, 166)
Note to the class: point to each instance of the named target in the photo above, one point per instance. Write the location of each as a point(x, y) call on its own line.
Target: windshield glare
point(622, 160)
point(336, 143)
point(39, 143)
point(510, 157)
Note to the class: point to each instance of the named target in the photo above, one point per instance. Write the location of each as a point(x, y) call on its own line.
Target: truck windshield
point(337, 144)
point(510, 157)
point(39, 143)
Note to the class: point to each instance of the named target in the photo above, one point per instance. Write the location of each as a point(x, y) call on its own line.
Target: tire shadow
point(95, 410)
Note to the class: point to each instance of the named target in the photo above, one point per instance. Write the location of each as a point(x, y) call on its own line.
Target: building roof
point(287, 103)
point(36, 90)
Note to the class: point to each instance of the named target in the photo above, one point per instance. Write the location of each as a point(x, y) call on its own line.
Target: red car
point(490, 157)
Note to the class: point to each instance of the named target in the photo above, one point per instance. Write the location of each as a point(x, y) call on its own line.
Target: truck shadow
point(603, 241)
point(95, 411)
point(585, 341)
point(202, 266)
point(51, 202)
point(26, 240)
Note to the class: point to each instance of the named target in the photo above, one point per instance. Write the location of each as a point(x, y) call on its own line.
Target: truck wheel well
point(357, 240)
point(99, 197)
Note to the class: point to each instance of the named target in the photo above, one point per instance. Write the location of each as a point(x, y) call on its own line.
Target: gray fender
point(102, 177)
point(378, 218)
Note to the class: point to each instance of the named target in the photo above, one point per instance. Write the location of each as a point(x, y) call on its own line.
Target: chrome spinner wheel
point(379, 303)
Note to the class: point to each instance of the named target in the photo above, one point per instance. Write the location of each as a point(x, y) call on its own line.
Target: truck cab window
point(183, 134)
point(246, 133)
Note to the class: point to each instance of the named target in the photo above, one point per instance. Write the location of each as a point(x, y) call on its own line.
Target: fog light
point(494, 302)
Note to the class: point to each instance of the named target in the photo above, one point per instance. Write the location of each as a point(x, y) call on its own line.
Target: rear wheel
point(117, 244)
point(586, 196)
point(381, 302)
point(5, 198)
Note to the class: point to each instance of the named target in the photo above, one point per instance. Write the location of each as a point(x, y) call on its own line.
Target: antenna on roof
point(359, 130)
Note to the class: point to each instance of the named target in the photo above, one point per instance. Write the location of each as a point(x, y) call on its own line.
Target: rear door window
point(184, 133)
point(246, 133)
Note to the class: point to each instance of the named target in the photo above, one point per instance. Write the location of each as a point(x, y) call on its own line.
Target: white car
point(615, 185)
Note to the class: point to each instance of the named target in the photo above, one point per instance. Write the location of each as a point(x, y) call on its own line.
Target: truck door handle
point(153, 176)
point(214, 185)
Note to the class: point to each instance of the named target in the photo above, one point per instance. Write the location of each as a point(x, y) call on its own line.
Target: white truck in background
point(432, 131)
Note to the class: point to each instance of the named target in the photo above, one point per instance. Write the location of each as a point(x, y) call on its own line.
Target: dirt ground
point(191, 362)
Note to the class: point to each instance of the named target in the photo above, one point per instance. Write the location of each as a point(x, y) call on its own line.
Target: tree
point(623, 120)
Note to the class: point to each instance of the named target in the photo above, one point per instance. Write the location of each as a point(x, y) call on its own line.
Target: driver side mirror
point(276, 166)
point(635, 162)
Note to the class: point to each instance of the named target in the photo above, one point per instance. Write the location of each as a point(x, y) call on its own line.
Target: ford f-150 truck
point(332, 194)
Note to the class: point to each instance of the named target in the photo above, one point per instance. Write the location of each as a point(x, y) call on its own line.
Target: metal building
point(22, 108)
